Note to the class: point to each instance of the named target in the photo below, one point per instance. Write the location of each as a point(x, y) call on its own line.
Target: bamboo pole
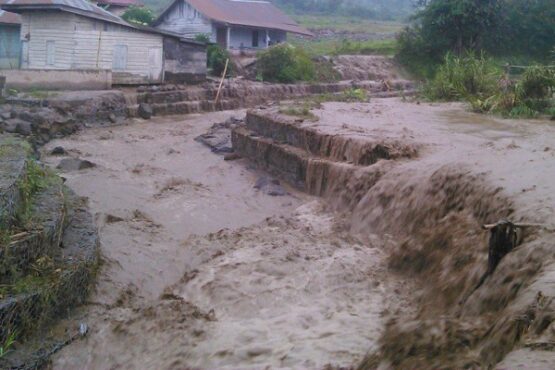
point(221, 82)
point(98, 49)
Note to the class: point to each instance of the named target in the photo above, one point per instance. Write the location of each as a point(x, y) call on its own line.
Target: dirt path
point(276, 282)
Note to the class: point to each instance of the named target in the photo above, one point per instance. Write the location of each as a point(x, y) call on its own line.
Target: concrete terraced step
point(13, 156)
point(243, 95)
point(41, 238)
point(50, 291)
point(350, 148)
point(298, 167)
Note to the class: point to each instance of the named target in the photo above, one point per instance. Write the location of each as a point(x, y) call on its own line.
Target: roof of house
point(253, 13)
point(8, 18)
point(83, 8)
point(120, 2)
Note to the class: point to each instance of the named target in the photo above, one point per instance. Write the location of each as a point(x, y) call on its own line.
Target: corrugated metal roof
point(9, 18)
point(261, 14)
point(120, 2)
point(84, 8)
point(81, 7)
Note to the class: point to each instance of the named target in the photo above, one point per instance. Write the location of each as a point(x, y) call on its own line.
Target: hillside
point(374, 9)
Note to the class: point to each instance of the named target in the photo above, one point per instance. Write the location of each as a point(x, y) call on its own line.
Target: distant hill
point(374, 9)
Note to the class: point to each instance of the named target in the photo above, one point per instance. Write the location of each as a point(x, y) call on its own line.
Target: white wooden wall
point(84, 43)
point(185, 20)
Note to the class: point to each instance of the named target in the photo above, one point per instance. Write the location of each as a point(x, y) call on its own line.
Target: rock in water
point(145, 111)
point(58, 151)
point(74, 164)
point(270, 187)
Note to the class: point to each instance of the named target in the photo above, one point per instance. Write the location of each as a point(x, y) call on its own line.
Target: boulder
point(58, 151)
point(24, 128)
point(145, 111)
point(75, 164)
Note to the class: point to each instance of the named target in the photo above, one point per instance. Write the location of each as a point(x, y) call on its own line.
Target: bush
point(139, 15)
point(285, 63)
point(464, 77)
point(216, 56)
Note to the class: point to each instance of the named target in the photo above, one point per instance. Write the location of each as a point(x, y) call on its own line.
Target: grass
point(349, 24)
point(8, 343)
point(346, 47)
point(482, 82)
point(302, 111)
point(302, 108)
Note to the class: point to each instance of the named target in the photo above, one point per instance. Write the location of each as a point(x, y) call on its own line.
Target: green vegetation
point(461, 78)
point(371, 9)
point(303, 112)
point(8, 344)
point(216, 56)
point(346, 47)
point(36, 178)
point(480, 82)
point(140, 15)
point(340, 23)
point(302, 108)
point(509, 30)
point(448, 41)
point(285, 63)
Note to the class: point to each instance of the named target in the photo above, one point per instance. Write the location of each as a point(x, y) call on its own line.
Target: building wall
point(277, 37)
point(187, 21)
point(29, 79)
point(58, 40)
point(184, 62)
point(10, 46)
point(242, 37)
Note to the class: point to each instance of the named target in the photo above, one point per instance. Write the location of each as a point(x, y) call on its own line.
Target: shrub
point(216, 58)
point(285, 63)
point(139, 15)
point(464, 77)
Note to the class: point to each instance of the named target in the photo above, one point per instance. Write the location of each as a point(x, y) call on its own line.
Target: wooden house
point(78, 35)
point(234, 24)
point(10, 51)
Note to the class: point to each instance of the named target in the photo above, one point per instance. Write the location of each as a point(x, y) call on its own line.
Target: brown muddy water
point(204, 271)
point(277, 280)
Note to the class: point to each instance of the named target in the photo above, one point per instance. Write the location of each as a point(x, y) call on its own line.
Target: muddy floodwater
point(203, 269)
point(277, 282)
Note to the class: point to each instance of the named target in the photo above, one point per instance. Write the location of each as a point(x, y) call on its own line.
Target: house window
point(119, 62)
point(50, 53)
point(254, 39)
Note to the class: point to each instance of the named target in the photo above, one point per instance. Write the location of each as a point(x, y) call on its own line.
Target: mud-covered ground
point(276, 282)
point(203, 270)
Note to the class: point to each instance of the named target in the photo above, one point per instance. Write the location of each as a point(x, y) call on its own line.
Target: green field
point(350, 24)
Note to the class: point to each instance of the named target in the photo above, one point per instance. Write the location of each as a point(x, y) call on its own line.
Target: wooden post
point(221, 83)
point(98, 50)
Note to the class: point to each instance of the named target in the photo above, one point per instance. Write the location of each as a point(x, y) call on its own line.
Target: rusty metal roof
point(9, 18)
point(252, 13)
point(81, 7)
point(120, 2)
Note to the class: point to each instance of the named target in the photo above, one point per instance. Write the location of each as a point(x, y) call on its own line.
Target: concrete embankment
point(430, 177)
point(44, 115)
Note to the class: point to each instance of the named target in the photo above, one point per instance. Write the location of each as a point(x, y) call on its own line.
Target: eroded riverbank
point(316, 283)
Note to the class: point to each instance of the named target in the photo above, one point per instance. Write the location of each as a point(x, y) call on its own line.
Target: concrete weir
point(429, 177)
point(307, 157)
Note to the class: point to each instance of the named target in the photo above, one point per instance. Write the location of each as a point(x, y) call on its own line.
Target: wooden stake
point(221, 82)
